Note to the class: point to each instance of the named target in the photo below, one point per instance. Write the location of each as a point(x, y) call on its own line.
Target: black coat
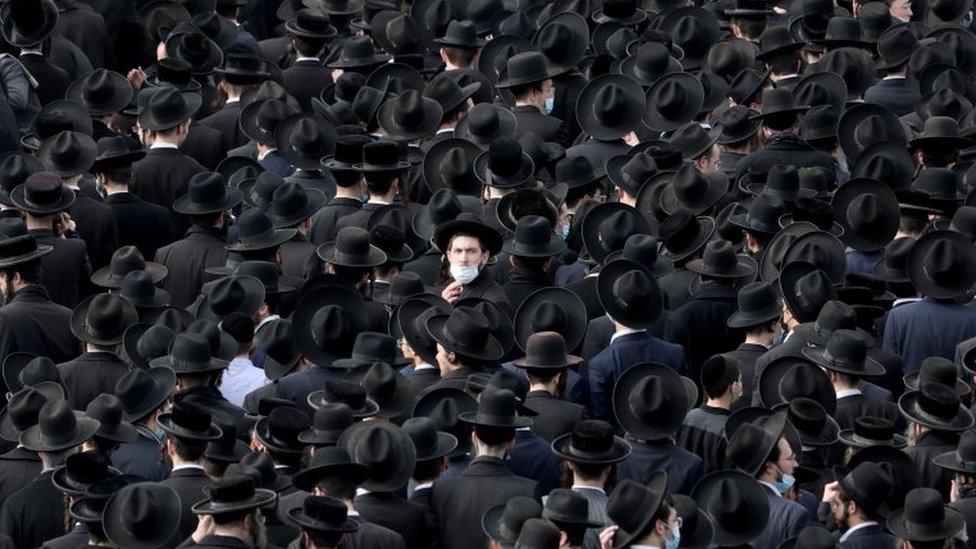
point(598, 152)
point(556, 416)
point(205, 144)
point(745, 356)
point(86, 28)
point(142, 224)
point(929, 445)
point(967, 507)
point(534, 459)
point(429, 265)
point(315, 180)
point(360, 217)
point(306, 79)
point(18, 467)
point(325, 221)
point(785, 148)
point(390, 511)
point(90, 375)
point(211, 400)
point(585, 288)
point(214, 541)
point(34, 514)
point(295, 255)
point(876, 537)
point(52, 81)
point(423, 379)
point(227, 121)
point(684, 469)
point(189, 484)
point(706, 313)
point(95, 224)
point(486, 288)
point(522, 281)
point(849, 408)
point(77, 537)
point(676, 287)
point(459, 503)
point(600, 330)
point(187, 260)
point(530, 119)
point(32, 323)
point(162, 177)
point(66, 271)
point(141, 457)
point(895, 94)
point(703, 434)
point(567, 88)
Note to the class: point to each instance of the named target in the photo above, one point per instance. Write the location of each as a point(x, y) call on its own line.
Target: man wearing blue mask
point(645, 516)
point(759, 448)
point(528, 77)
point(467, 244)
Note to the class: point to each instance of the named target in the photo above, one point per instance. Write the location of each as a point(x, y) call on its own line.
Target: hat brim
point(774, 374)
point(44, 28)
point(33, 440)
point(562, 446)
point(489, 350)
point(706, 229)
point(597, 216)
point(13, 364)
point(657, 119)
point(403, 446)
point(818, 355)
point(280, 237)
point(740, 319)
point(249, 122)
point(951, 524)
point(316, 200)
point(755, 500)
point(8, 431)
point(164, 380)
point(631, 113)
point(435, 155)
point(186, 206)
point(924, 283)
point(835, 270)
point(376, 257)
point(909, 406)
point(849, 438)
point(670, 419)
point(192, 103)
point(570, 303)
point(888, 207)
point(633, 317)
point(166, 517)
point(262, 498)
point(852, 118)
point(119, 97)
point(19, 198)
point(426, 125)
point(81, 329)
point(742, 269)
point(912, 383)
point(104, 278)
point(166, 424)
point(304, 160)
point(309, 303)
point(316, 399)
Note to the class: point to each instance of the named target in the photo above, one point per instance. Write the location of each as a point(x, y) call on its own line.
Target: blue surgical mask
point(364, 198)
point(564, 231)
point(465, 274)
point(547, 109)
point(159, 432)
point(784, 483)
point(675, 540)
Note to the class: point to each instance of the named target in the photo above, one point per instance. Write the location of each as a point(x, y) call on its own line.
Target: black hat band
point(587, 454)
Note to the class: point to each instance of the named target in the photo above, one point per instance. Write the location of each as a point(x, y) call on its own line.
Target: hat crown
point(25, 406)
point(679, 229)
point(497, 403)
point(125, 260)
point(380, 382)
point(207, 187)
point(533, 230)
point(530, 65)
point(783, 179)
point(332, 416)
point(15, 168)
point(171, 70)
point(345, 392)
point(632, 288)
point(802, 381)
point(942, 262)
point(191, 347)
point(42, 189)
point(105, 408)
point(565, 503)
point(846, 347)
point(720, 256)
point(99, 87)
point(140, 512)
point(423, 433)
point(375, 347)
point(86, 467)
point(756, 296)
point(133, 388)
point(875, 429)
point(232, 489)
point(671, 97)
point(626, 505)
point(546, 349)
point(939, 370)
point(56, 420)
point(592, 436)
point(377, 449)
point(648, 397)
point(325, 509)
point(330, 325)
point(191, 418)
point(807, 415)
point(467, 328)
point(505, 157)
point(38, 370)
point(483, 120)
point(924, 508)
point(938, 400)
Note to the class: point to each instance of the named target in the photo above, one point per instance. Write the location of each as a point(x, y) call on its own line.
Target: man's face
point(838, 508)
point(465, 251)
point(901, 10)
point(787, 460)
point(443, 359)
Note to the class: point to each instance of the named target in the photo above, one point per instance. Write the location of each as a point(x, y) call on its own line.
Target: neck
point(113, 188)
point(547, 387)
point(91, 348)
point(856, 520)
point(263, 150)
point(171, 139)
point(842, 385)
point(592, 483)
point(448, 66)
point(235, 530)
point(494, 192)
point(724, 402)
point(177, 462)
point(30, 50)
point(448, 367)
point(528, 103)
point(388, 197)
point(347, 192)
point(765, 339)
point(38, 223)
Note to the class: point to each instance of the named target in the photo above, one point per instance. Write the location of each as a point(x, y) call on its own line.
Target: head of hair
point(525, 89)
point(717, 374)
point(285, 458)
point(532, 263)
point(205, 220)
point(784, 64)
point(717, 281)
point(494, 436)
point(222, 519)
point(339, 487)
point(324, 540)
point(541, 375)
point(573, 196)
point(427, 470)
point(751, 27)
point(119, 175)
point(30, 272)
point(307, 47)
point(912, 224)
point(351, 274)
point(663, 513)
point(768, 326)
point(940, 160)
point(346, 178)
point(378, 183)
point(460, 57)
point(188, 450)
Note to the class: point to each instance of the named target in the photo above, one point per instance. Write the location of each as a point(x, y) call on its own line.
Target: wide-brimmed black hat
point(144, 342)
point(894, 267)
point(937, 188)
point(607, 227)
point(936, 369)
point(107, 409)
point(102, 319)
point(568, 509)
point(460, 34)
point(896, 46)
point(389, 389)
point(330, 462)
point(777, 41)
point(449, 165)
point(629, 293)
point(310, 24)
point(821, 249)
point(868, 212)
point(936, 406)
point(869, 431)
point(358, 53)
point(746, 86)
point(28, 22)
point(352, 248)
point(925, 518)
point(257, 232)
point(304, 139)
point(189, 422)
point(292, 203)
point(42, 194)
point(805, 288)
point(167, 108)
point(962, 460)
point(232, 294)
point(630, 506)
point(117, 151)
point(546, 351)
point(782, 182)
point(485, 123)
point(672, 101)
point(68, 153)
point(279, 431)
point(551, 310)
point(942, 264)
point(327, 321)
point(779, 102)
point(527, 202)
point(534, 237)
point(468, 224)
point(738, 123)
point(233, 494)
point(591, 442)
point(208, 193)
point(346, 392)
point(431, 444)
point(410, 116)
point(691, 189)
point(751, 442)
point(466, 332)
point(323, 515)
point(869, 486)
point(694, 30)
point(502, 523)
point(124, 261)
point(846, 352)
point(866, 124)
point(243, 69)
point(758, 304)
point(370, 348)
point(762, 215)
point(102, 92)
point(143, 390)
point(188, 43)
point(144, 514)
point(788, 377)
point(526, 68)
point(24, 406)
point(737, 503)
point(610, 106)
point(496, 408)
point(329, 421)
point(58, 428)
point(260, 119)
point(650, 401)
point(940, 133)
point(385, 449)
point(15, 168)
point(683, 234)
point(190, 353)
point(721, 261)
point(504, 165)
point(814, 425)
point(563, 39)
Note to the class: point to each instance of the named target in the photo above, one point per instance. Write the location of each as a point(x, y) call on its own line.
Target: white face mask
point(465, 274)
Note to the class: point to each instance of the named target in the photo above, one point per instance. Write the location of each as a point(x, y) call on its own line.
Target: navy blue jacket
point(895, 94)
point(928, 327)
point(684, 469)
point(869, 537)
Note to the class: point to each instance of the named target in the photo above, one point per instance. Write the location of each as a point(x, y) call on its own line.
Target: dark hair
point(717, 373)
point(662, 514)
point(912, 224)
point(940, 160)
point(380, 182)
point(573, 196)
point(455, 114)
point(780, 122)
point(30, 272)
point(227, 11)
point(324, 540)
point(272, 301)
point(525, 89)
point(427, 470)
point(345, 178)
point(351, 274)
point(120, 175)
point(541, 375)
point(589, 472)
point(774, 455)
point(459, 56)
point(532, 263)
point(494, 436)
point(206, 220)
point(339, 487)
point(785, 63)
point(232, 517)
point(267, 254)
point(306, 47)
point(937, 544)
point(741, 143)
point(717, 281)
point(768, 326)
point(285, 458)
point(188, 450)
point(751, 27)
point(825, 144)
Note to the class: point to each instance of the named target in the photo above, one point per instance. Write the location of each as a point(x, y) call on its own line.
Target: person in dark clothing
point(703, 431)
point(349, 188)
point(758, 316)
point(532, 249)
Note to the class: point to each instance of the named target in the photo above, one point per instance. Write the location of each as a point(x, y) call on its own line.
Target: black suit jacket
point(52, 81)
point(32, 323)
point(142, 224)
point(428, 265)
point(189, 484)
point(745, 356)
point(873, 536)
point(530, 119)
point(784, 148)
point(295, 255)
point(895, 94)
point(77, 537)
point(967, 507)
point(90, 375)
point(66, 271)
point(360, 217)
point(421, 380)
point(226, 120)
point(206, 145)
point(600, 330)
point(522, 281)
point(18, 467)
point(929, 445)
point(325, 221)
point(187, 261)
point(95, 224)
point(34, 514)
point(85, 28)
point(306, 79)
point(676, 287)
point(460, 502)
point(390, 511)
point(162, 177)
point(706, 313)
point(684, 468)
point(556, 416)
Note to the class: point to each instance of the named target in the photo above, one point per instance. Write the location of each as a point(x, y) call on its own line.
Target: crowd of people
point(465, 274)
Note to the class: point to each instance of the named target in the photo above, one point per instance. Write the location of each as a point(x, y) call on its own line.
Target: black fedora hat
point(526, 202)
point(409, 321)
point(940, 133)
point(942, 264)
point(38, 370)
point(871, 431)
point(938, 188)
point(534, 237)
point(15, 168)
point(449, 93)
point(787, 377)
point(144, 342)
point(607, 227)
point(259, 190)
point(693, 190)
point(118, 151)
point(383, 155)
point(738, 124)
point(466, 332)
point(503, 523)
point(694, 30)
point(868, 485)
point(938, 370)
point(310, 24)
point(737, 504)
point(328, 422)
point(13, 364)
point(865, 124)
point(243, 69)
point(777, 41)
point(208, 193)
point(551, 310)
point(925, 518)
point(23, 408)
point(843, 32)
point(257, 232)
point(751, 442)
point(175, 73)
point(389, 389)
point(936, 406)
point(449, 164)
point(386, 450)
point(327, 320)
point(232, 294)
point(167, 108)
point(190, 353)
point(292, 203)
point(124, 260)
point(460, 34)
point(762, 215)
point(650, 401)
point(834, 315)
point(352, 248)
point(370, 348)
point(746, 86)
point(18, 250)
point(42, 194)
point(820, 249)
point(782, 182)
point(568, 509)
point(591, 442)
point(233, 494)
point(632, 507)
point(896, 46)
point(323, 515)
point(526, 68)
point(779, 102)
point(504, 165)
point(496, 408)
point(962, 460)
point(468, 224)
point(485, 123)
point(358, 53)
point(143, 514)
point(402, 286)
point(563, 39)
point(102, 319)
point(189, 422)
point(649, 62)
point(89, 506)
point(330, 462)
point(346, 392)
point(889, 162)
point(279, 431)
point(814, 425)
point(28, 22)
point(646, 250)
point(142, 391)
point(546, 350)
point(188, 43)
point(610, 106)
point(631, 172)
point(395, 79)
point(845, 352)
point(758, 304)
point(868, 212)
point(102, 92)
point(109, 411)
point(58, 428)
point(68, 153)
point(304, 139)
point(260, 118)
point(683, 234)
point(410, 116)
point(672, 101)
point(629, 293)
point(721, 261)
point(431, 444)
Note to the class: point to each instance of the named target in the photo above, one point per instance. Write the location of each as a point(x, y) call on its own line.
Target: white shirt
point(851, 530)
point(625, 331)
point(187, 466)
point(424, 366)
point(303, 58)
point(266, 153)
point(232, 100)
point(582, 487)
point(163, 145)
point(848, 392)
point(265, 320)
point(240, 378)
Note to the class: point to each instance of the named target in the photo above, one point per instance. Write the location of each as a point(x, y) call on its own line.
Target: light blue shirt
point(240, 378)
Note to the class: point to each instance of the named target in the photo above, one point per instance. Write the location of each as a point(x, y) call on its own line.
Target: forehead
point(465, 242)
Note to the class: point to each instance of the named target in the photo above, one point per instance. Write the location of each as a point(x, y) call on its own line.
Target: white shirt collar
point(232, 100)
point(352, 513)
point(893, 77)
point(163, 145)
point(848, 392)
point(266, 153)
point(361, 492)
point(372, 201)
point(265, 320)
point(424, 366)
point(582, 487)
point(422, 486)
point(625, 331)
point(187, 466)
point(303, 58)
point(853, 529)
